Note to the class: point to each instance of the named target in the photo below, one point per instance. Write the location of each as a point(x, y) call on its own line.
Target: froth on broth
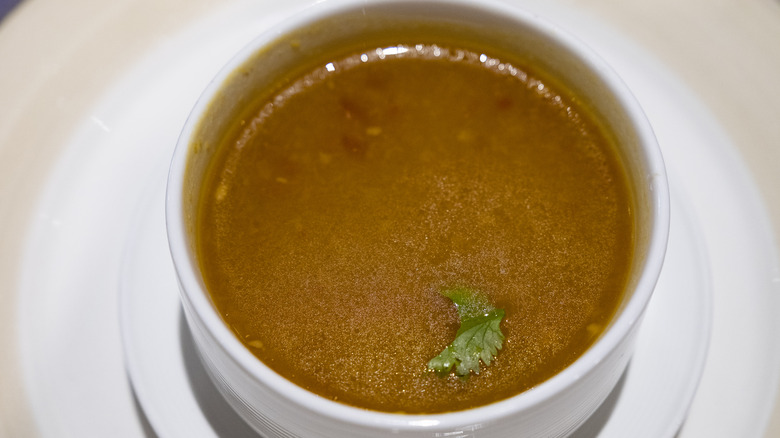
point(334, 213)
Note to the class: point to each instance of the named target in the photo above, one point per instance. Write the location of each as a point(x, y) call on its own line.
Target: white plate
point(95, 224)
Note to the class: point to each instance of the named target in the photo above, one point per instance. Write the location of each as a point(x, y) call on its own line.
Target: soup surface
point(332, 218)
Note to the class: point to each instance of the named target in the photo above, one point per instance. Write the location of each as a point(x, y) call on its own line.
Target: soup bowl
point(274, 406)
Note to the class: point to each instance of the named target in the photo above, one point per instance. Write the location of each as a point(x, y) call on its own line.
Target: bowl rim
point(194, 292)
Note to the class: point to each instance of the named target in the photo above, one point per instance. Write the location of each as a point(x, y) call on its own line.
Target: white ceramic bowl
point(276, 407)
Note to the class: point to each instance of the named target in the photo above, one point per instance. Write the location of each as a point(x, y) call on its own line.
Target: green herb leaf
point(478, 338)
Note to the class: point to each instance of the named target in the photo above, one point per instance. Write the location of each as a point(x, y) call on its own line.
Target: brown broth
point(332, 219)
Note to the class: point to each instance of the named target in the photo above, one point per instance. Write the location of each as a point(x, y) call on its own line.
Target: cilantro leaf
point(478, 338)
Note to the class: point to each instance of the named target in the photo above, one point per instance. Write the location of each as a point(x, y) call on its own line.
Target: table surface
point(725, 51)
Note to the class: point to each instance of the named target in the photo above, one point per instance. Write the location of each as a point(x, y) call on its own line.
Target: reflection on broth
point(332, 218)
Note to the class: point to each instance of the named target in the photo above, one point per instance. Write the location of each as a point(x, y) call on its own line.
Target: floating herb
point(478, 338)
